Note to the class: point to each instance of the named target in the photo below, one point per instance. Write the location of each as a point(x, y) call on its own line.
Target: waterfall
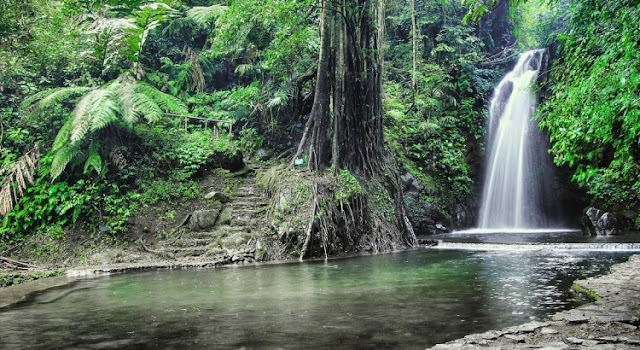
point(515, 184)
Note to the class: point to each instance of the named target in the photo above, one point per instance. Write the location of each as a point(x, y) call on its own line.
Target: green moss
point(14, 278)
point(381, 200)
point(586, 292)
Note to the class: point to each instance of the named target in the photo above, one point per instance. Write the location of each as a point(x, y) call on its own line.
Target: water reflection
point(407, 300)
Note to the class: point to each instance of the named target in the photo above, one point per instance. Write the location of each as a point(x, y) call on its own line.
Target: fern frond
point(17, 178)
point(124, 94)
point(166, 102)
point(135, 103)
point(49, 98)
point(94, 111)
point(94, 161)
point(62, 158)
point(204, 15)
point(149, 109)
point(245, 69)
point(63, 136)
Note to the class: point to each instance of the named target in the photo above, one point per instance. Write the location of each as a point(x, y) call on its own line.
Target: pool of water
point(408, 300)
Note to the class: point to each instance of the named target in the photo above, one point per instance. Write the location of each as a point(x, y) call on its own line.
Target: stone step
point(248, 194)
point(201, 235)
point(258, 202)
point(186, 252)
point(245, 212)
point(188, 242)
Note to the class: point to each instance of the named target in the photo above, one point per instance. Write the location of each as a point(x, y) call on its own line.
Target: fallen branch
point(19, 264)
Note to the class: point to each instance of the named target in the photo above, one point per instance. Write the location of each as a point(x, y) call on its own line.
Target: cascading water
point(515, 183)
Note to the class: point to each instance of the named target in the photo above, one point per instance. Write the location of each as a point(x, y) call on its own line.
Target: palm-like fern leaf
point(62, 158)
point(204, 15)
point(43, 100)
point(63, 136)
point(124, 92)
point(166, 102)
point(124, 97)
point(94, 161)
point(94, 111)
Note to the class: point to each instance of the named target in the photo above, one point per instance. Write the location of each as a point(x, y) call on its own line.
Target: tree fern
point(124, 98)
point(94, 161)
point(166, 102)
point(94, 111)
point(44, 100)
point(62, 157)
point(204, 15)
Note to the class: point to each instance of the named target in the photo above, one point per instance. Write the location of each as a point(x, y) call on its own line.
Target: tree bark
point(414, 35)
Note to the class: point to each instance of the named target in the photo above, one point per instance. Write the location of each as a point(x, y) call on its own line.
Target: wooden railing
point(216, 122)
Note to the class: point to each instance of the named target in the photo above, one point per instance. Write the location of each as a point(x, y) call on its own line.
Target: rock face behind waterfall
point(597, 222)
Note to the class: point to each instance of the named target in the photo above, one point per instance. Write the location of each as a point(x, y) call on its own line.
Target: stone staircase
point(236, 238)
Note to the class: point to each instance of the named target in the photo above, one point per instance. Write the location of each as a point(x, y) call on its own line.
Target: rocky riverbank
point(609, 323)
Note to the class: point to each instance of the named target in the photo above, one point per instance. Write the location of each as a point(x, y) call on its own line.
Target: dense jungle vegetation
point(94, 94)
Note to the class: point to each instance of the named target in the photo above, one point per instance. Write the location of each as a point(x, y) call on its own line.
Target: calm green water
point(407, 300)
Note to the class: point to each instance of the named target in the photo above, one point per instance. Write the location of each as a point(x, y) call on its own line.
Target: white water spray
point(513, 187)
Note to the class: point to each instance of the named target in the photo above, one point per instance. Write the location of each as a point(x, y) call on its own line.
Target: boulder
point(425, 217)
point(225, 216)
point(231, 160)
point(597, 222)
point(607, 225)
point(410, 185)
point(217, 196)
point(589, 220)
point(203, 219)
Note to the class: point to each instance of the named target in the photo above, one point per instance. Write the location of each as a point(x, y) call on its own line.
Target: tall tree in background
point(414, 45)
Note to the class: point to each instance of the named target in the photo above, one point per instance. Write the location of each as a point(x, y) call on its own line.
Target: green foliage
point(437, 132)
point(591, 294)
point(348, 186)
point(537, 22)
point(479, 8)
point(47, 205)
point(205, 15)
point(100, 107)
point(593, 112)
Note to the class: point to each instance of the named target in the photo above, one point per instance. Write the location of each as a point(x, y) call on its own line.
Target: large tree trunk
point(345, 126)
point(347, 109)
